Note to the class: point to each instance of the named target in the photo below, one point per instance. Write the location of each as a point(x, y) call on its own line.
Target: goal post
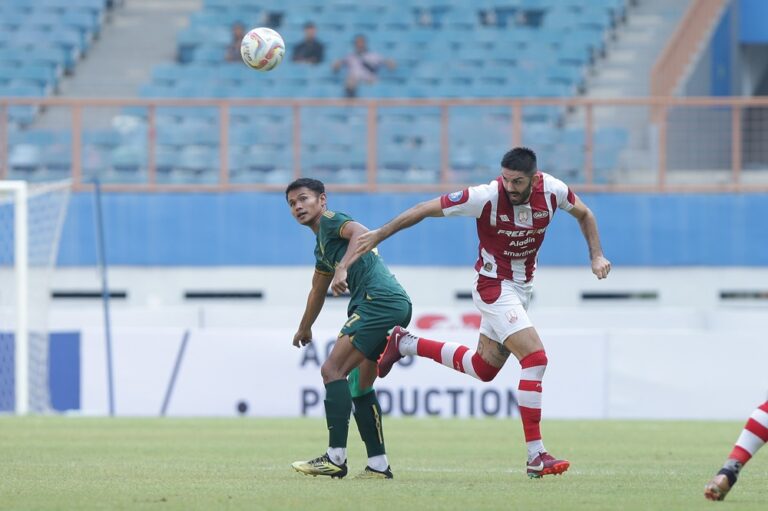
point(31, 218)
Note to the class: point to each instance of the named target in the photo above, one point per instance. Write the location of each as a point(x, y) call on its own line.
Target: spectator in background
point(309, 50)
point(233, 50)
point(362, 66)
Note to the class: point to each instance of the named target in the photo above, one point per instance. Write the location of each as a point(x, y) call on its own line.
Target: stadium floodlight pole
point(104, 293)
point(20, 268)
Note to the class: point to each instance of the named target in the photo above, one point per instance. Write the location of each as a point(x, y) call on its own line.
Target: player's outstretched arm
point(407, 218)
point(588, 223)
point(315, 301)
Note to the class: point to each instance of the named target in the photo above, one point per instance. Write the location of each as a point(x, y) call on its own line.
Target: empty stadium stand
point(486, 49)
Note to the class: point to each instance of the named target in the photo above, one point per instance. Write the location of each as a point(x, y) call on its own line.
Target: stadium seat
point(128, 159)
point(436, 58)
point(57, 159)
point(24, 159)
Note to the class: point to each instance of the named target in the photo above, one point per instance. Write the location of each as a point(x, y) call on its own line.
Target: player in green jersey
point(378, 303)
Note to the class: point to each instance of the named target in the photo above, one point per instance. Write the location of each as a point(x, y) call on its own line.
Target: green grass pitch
point(209, 464)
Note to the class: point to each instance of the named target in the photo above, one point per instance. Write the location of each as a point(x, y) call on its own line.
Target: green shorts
point(370, 322)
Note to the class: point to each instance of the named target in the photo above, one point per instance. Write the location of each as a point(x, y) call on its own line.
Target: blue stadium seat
point(56, 58)
point(436, 58)
point(128, 160)
point(57, 159)
point(171, 137)
point(83, 21)
point(166, 160)
point(200, 163)
point(212, 54)
point(12, 20)
point(23, 159)
point(37, 76)
point(103, 138)
point(260, 160)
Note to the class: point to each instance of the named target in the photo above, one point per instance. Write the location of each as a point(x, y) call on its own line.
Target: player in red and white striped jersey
point(512, 214)
point(752, 438)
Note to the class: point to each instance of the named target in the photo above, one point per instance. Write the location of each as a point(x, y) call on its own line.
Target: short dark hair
point(521, 159)
point(309, 24)
point(306, 182)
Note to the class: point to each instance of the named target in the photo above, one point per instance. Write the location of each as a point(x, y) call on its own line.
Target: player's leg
point(368, 417)
point(511, 323)
point(483, 363)
point(502, 313)
point(526, 345)
point(369, 326)
point(343, 359)
point(752, 438)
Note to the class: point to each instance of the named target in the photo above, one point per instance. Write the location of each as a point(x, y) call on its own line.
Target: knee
point(533, 365)
point(488, 375)
point(536, 358)
point(330, 372)
point(485, 371)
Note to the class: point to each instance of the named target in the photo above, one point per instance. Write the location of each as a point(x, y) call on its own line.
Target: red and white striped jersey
point(510, 236)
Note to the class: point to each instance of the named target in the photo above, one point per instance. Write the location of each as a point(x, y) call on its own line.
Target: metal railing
point(673, 63)
point(696, 144)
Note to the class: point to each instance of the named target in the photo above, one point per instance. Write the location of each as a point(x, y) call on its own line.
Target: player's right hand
point(601, 267)
point(302, 338)
point(367, 242)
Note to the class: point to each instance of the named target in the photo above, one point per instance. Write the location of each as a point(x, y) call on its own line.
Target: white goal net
point(31, 217)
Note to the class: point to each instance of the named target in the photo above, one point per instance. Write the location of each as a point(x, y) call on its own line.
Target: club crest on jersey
point(522, 216)
point(488, 267)
point(455, 196)
point(540, 214)
point(511, 316)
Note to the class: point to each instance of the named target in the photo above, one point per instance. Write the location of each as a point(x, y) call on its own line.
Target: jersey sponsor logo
point(519, 255)
point(504, 218)
point(526, 232)
point(455, 196)
point(540, 214)
point(522, 243)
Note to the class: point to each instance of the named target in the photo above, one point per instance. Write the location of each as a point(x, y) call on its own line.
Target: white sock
point(379, 462)
point(338, 455)
point(408, 344)
point(534, 448)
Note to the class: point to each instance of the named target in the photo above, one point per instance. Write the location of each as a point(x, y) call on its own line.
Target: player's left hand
point(339, 282)
point(601, 267)
point(302, 338)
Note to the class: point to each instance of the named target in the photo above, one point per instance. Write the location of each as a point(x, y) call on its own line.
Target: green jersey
point(368, 277)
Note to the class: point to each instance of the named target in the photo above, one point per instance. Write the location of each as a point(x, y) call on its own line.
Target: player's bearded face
point(306, 205)
point(517, 185)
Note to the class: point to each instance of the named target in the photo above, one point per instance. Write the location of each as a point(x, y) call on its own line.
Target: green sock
point(338, 406)
point(368, 419)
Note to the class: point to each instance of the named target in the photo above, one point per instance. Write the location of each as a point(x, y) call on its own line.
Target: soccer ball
point(262, 49)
